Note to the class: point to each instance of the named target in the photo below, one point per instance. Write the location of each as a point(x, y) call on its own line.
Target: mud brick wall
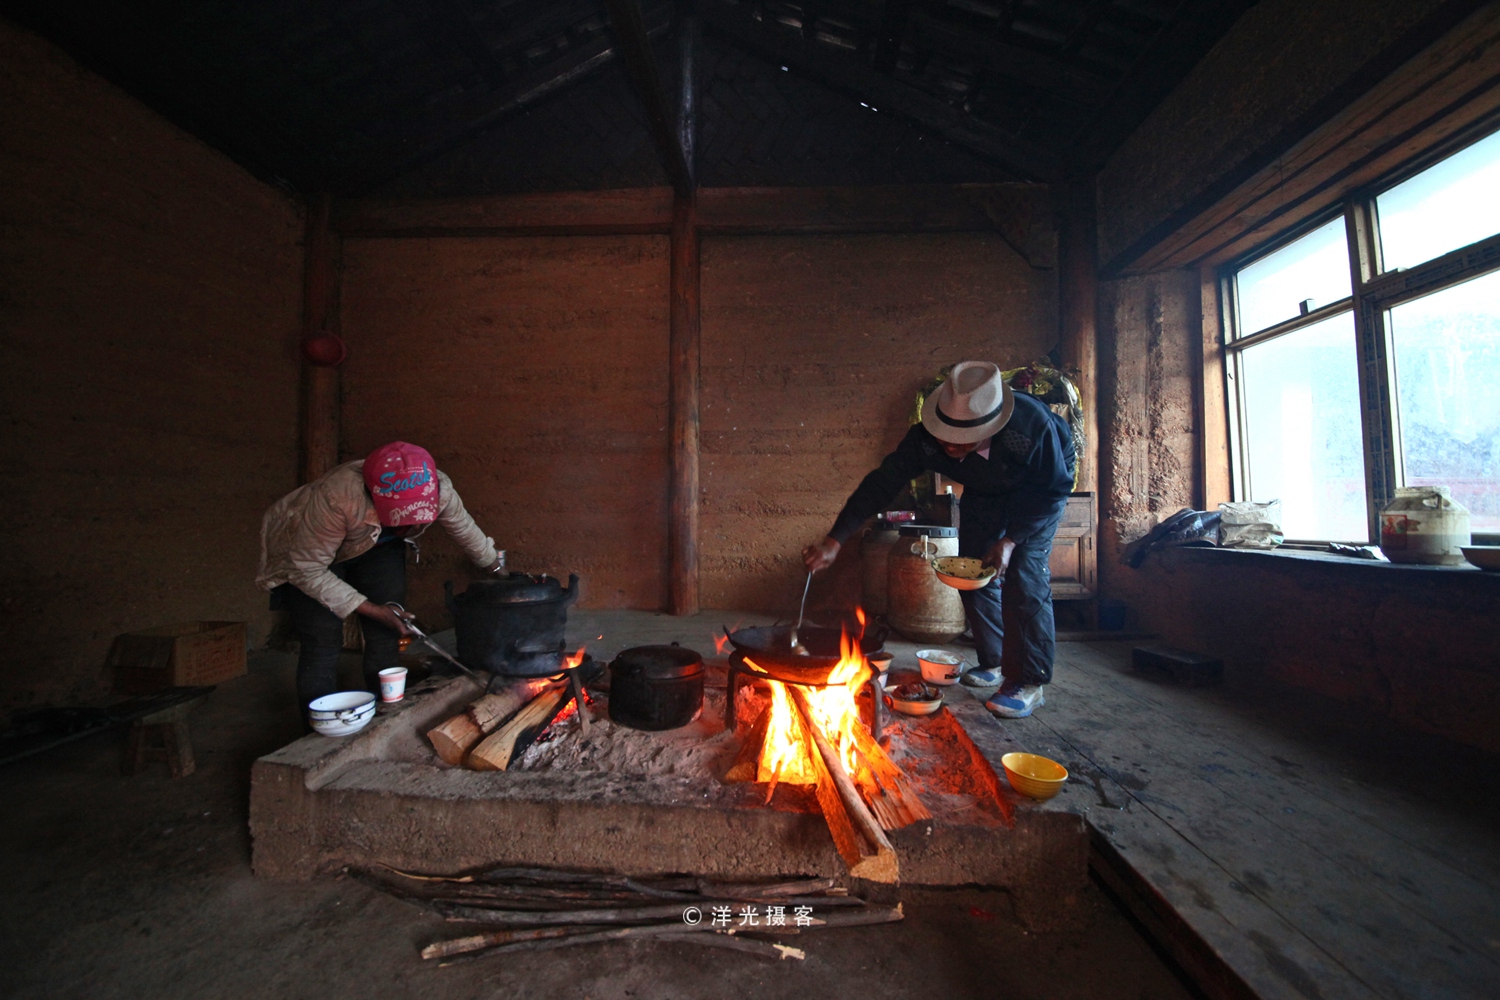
point(814, 348)
point(150, 296)
point(1416, 644)
point(1285, 67)
point(535, 371)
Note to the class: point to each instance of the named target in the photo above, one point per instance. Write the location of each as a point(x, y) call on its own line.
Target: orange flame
point(786, 753)
point(576, 659)
point(720, 641)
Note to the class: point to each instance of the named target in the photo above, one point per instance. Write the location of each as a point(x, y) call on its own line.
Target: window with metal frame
point(1362, 353)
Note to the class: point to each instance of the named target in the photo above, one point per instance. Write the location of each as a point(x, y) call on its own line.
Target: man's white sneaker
point(1016, 702)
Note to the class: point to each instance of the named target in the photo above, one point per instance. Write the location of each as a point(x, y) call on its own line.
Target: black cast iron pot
point(655, 687)
point(513, 625)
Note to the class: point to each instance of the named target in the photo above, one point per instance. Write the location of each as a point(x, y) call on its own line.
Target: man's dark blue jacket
point(1028, 475)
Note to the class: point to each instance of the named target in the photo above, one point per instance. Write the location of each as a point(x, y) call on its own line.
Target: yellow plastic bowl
point(963, 573)
point(1034, 776)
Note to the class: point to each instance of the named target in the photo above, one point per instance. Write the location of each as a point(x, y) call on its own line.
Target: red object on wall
point(325, 350)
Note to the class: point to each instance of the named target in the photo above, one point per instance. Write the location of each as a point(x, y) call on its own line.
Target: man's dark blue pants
point(1014, 631)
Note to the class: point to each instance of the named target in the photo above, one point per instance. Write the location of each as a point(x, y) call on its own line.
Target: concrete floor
point(132, 887)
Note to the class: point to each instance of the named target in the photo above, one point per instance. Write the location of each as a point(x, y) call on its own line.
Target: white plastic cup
point(392, 684)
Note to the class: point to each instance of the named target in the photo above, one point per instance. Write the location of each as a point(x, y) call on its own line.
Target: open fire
point(812, 734)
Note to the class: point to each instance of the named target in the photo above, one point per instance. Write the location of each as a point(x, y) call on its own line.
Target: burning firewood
point(453, 738)
point(746, 766)
point(507, 743)
point(858, 836)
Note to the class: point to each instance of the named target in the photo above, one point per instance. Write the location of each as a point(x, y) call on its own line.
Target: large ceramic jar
point(1424, 524)
point(874, 557)
point(922, 607)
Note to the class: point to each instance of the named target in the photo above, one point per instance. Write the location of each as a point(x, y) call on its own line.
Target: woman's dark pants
point(1014, 631)
point(379, 574)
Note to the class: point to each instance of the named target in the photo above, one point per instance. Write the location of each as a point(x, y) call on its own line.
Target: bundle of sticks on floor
point(540, 909)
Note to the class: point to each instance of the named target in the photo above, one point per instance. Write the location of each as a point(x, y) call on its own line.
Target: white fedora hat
point(973, 404)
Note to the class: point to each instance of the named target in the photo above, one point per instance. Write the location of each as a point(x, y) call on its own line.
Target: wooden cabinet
point(1075, 559)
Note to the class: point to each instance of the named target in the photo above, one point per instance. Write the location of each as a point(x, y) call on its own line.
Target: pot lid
point(514, 588)
point(658, 663)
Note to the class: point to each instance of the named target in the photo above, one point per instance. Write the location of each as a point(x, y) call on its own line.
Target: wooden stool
point(162, 736)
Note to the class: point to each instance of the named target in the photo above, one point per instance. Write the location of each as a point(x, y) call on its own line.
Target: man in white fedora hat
point(1015, 460)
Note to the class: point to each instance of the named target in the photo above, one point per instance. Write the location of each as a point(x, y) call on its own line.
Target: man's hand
point(387, 616)
point(820, 555)
point(999, 555)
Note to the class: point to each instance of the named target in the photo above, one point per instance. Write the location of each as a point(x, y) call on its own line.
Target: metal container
point(874, 557)
point(655, 687)
point(1424, 524)
point(513, 625)
point(921, 607)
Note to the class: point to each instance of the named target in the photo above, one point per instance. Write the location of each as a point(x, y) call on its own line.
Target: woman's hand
point(820, 555)
point(387, 616)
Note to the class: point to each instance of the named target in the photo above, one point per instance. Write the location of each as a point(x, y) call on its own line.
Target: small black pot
point(655, 687)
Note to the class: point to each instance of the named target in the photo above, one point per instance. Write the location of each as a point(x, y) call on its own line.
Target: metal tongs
point(425, 639)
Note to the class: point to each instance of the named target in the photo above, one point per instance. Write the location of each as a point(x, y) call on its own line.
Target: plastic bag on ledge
point(1186, 527)
point(1250, 525)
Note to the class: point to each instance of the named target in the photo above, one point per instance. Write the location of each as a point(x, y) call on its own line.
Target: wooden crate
point(181, 655)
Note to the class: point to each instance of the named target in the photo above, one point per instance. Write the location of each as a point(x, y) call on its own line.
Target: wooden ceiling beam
point(853, 77)
point(892, 33)
point(1014, 62)
point(628, 26)
point(455, 24)
point(1165, 62)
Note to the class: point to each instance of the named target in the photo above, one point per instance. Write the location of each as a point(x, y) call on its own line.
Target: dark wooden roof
point(489, 96)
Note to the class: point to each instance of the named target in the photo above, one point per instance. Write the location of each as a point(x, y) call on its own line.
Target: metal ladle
point(797, 646)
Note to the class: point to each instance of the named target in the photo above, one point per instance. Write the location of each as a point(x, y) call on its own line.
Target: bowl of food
point(1033, 775)
point(1483, 556)
point(915, 699)
point(962, 572)
point(940, 666)
point(341, 714)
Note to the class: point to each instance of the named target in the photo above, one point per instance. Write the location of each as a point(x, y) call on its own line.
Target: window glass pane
point(1447, 360)
point(1449, 205)
point(1314, 267)
point(1302, 430)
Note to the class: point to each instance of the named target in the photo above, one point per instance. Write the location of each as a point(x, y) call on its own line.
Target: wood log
point(857, 834)
point(453, 738)
point(592, 937)
point(491, 711)
point(622, 914)
point(859, 918)
point(893, 790)
point(735, 942)
point(479, 942)
point(508, 742)
point(746, 766)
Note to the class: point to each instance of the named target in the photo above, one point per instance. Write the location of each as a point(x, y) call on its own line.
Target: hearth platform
point(616, 799)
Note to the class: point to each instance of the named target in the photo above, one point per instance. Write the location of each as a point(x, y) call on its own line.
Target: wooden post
point(684, 381)
point(320, 384)
point(1078, 287)
point(684, 348)
point(1213, 405)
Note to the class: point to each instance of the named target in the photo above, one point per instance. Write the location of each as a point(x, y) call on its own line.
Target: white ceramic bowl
point(940, 666)
point(1483, 556)
point(342, 713)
